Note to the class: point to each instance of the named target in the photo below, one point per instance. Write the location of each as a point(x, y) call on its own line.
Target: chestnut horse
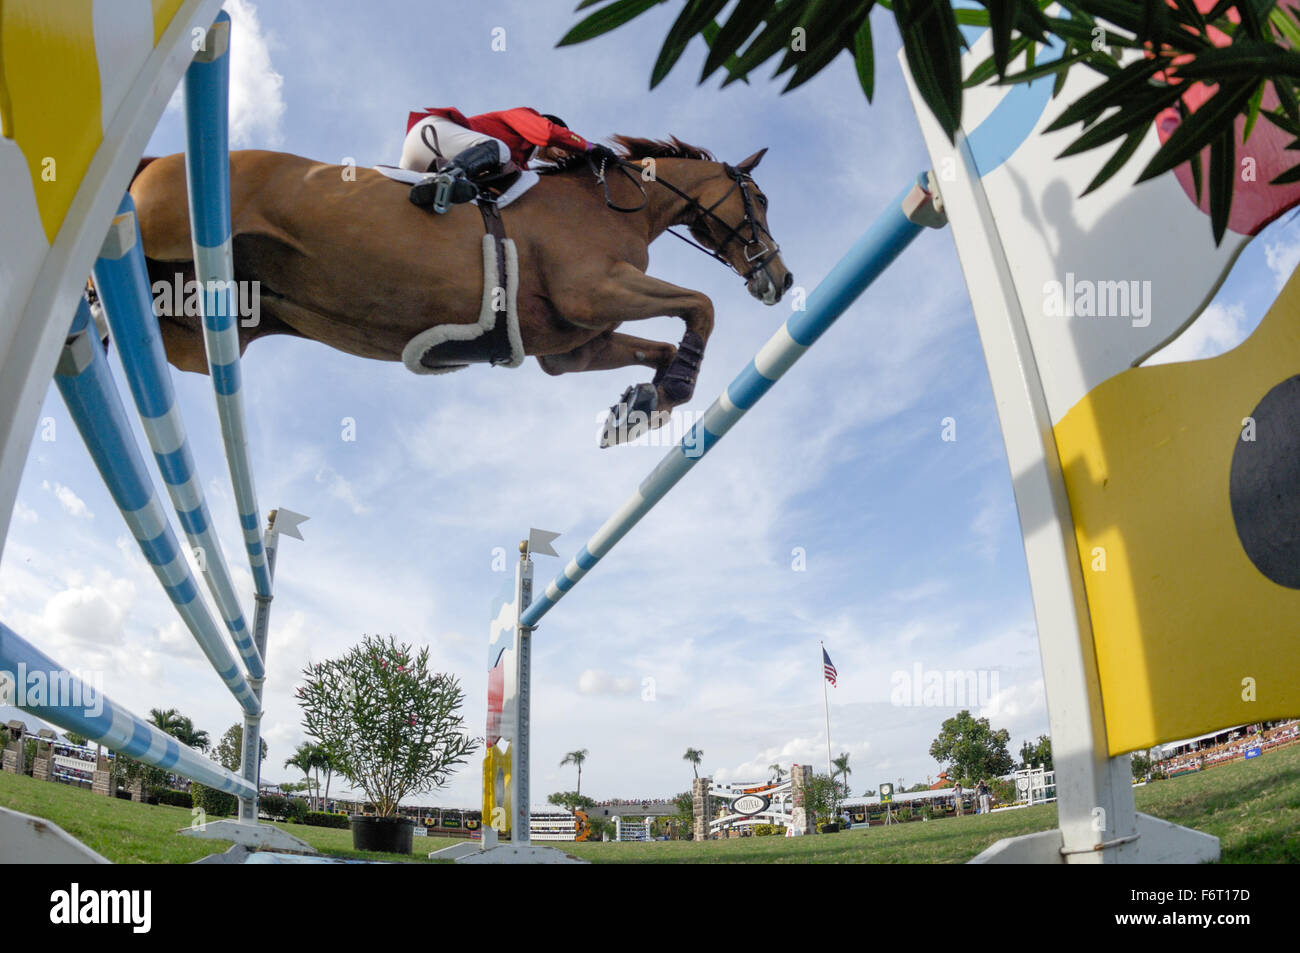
point(344, 258)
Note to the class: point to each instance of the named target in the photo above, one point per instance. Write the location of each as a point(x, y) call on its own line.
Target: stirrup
point(452, 188)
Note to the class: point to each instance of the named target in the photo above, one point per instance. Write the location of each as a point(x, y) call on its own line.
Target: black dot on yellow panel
point(1264, 486)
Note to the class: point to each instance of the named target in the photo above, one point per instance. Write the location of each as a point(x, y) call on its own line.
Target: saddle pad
point(527, 179)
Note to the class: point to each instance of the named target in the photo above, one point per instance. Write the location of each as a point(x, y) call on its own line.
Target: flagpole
point(827, 705)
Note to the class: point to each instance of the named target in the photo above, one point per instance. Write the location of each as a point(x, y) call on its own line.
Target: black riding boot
point(454, 185)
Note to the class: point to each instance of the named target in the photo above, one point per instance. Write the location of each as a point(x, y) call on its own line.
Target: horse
point(342, 257)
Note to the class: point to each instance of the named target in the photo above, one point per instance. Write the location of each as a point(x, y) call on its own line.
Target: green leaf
point(1252, 113)
point(822, 23)
point(740, 26)
point(986, 69)
point(1223, 169)
point(1155, 20)
point(1059, 84)
point(613, 16)
point(1251, 23)
point(1123, 87)
point(1191, 14)
point(1286, 178)
point(1136, 18)
point(1243, 60)
point(695, 16)
point(1200, 129)
point(1117, 159)
point(1127, 120)
point(774, 37)
point(710, 34)
point(932, 46)
point(1284, 23)
point(864, 58)
point(1001, 20)
point(1285, 123)
point(1060, 67)
point(1286, 98)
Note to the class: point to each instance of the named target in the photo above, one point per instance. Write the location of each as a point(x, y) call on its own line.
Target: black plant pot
point(392, 835)
point(830, 828)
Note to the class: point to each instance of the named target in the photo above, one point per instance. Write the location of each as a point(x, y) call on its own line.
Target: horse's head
point(730, 220)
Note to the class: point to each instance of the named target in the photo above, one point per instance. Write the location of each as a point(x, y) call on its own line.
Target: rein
point(770, 249)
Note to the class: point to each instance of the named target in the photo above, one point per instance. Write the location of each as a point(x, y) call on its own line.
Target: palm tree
point(185, 732)
point(320, 761)
point(841, 768)
point(694, 756)
point(778, 772)
point(327, 766)
point(305, 760)
point(165, 720)
point(576, 757)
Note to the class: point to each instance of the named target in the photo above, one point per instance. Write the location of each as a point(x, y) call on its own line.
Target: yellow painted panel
point(49, 89)
point(1186, 616)
point(163, 11)
point(496, 776)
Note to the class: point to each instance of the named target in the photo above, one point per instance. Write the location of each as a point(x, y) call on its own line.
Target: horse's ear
point(748, 165)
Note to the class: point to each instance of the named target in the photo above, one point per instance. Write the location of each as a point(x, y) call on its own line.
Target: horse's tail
point(144, 161)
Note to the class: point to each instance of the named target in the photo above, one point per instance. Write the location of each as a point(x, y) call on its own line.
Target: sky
point(836, 513)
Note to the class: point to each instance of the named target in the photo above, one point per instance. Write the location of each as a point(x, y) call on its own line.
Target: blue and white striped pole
point(207, 176)
point(207, 172)
point(84, 380)
point(122, 282)
point(871, 255)
point(82, 709)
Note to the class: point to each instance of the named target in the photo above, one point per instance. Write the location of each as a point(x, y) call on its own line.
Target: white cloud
point(341, 489)
point(256, 88)
point(72, 504)
point(1282, 258)
point(595, 682)
point(1219, 329)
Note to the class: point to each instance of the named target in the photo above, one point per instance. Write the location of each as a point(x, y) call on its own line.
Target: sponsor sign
point(750, 804)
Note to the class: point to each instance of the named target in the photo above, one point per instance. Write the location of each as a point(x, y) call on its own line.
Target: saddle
point(494, 185)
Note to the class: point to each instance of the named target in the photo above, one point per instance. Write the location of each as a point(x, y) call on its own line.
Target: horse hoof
point(631, 416)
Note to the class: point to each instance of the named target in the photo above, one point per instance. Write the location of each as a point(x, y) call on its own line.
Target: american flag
point(829, 667)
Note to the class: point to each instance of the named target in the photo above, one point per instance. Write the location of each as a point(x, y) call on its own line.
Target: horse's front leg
point(609, 351)
point(628, 294)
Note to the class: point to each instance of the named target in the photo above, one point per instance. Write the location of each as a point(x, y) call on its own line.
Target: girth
point(492, 347)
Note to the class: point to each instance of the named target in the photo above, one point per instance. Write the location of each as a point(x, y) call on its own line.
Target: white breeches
point(451, 140)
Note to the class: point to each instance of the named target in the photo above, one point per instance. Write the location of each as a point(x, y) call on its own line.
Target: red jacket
point(520, 129)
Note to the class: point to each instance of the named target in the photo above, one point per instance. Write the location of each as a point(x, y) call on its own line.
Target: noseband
point(759, 236)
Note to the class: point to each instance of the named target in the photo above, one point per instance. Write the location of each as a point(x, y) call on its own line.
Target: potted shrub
point(388, 725)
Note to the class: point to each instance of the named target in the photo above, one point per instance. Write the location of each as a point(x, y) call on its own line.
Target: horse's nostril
point(789, 280)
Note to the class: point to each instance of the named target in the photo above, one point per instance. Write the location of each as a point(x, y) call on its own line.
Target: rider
point(481, 145)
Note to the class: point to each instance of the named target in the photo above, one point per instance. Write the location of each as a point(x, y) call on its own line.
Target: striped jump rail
point(914, 209)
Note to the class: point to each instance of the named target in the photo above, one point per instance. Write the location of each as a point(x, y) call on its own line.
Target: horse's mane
point(633, 148)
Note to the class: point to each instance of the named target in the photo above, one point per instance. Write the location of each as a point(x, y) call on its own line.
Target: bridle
point(759, 236)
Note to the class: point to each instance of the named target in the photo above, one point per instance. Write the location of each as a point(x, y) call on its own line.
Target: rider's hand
point(602, 152)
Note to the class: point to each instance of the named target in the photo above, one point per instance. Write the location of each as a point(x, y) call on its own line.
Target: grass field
point(1253, 807)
